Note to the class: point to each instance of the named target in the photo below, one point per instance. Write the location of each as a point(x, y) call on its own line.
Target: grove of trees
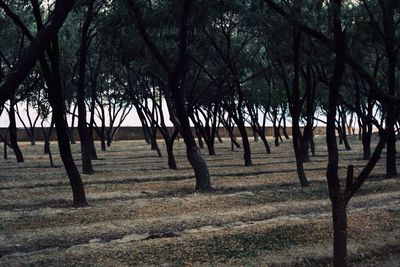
point(205, 66)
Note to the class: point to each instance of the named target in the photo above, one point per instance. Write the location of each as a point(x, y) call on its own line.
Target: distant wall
point(136, 133)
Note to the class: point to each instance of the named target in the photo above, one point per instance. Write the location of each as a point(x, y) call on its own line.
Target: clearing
point(142, 213)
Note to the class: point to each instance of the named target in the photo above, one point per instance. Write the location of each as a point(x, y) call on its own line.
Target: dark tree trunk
point(366, 140)
point(170, 151)
point(343, 130)
point(72, 128)
point(210, 146)
point(218, 136)
point(47, 137)
point(298, 153)
point(389, 30)
point(285, 128)
point(266, 145)
point(339, 217)
point(245, 142)
point(35, 50)
point(12, 129)
point(46, 148)
point(276, 130)
point(176, 85)
point(312, 145)
point(86, 145)
point(93, 152)
point(194, 156)
point(255, 134)
point(200, 139)
point(154, 145)
point(57, 103)
point(229, 128)
point(336, 197)
point(295, 108)
point(391, 168)
point(103, 130)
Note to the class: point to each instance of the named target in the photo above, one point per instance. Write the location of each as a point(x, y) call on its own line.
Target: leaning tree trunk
point(245, 142)
point(298, 153)
point(154, 144)
point(195, 158)
point(169, 143)
point(13, 134)
point(56, 100)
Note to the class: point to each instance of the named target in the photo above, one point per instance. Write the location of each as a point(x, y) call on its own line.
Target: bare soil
point(142, 213)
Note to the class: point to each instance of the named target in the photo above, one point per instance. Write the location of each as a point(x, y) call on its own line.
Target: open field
point(142, 213)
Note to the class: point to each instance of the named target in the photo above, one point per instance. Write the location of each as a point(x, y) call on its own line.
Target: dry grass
point(142, 213)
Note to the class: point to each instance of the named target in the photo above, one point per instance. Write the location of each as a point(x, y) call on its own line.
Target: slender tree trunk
point(366, 139)
point(245, 142)
point(13, 133)
point(154, 145)
point(57, 103)
point(210, 146)
point(72, 128)
point(169, 143)
point(86, 146)
point(276, 131)
point(285, 128)
point(200, 139)
point(217, 133)
point(312, 145)
point(298, 153)
point(266, 145)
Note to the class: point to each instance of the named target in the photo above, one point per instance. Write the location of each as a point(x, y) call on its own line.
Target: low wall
point(136, 133)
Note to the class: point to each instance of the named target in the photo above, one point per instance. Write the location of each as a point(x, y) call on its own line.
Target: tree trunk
point(339, 233)
point(86, 147)
point(170, 152)
point(276, 135)
point(13, 134)
point(266, 145)
point(199, 138)
point(366, 140)
point(103, 144)
point(194, 156)
point(391, 169)
point(210, 146)
point(72, 128)
point(57, 103)
point(245, 142)
point(312, 145)
point(154, 145)
point(298, 153)
point(285, 128)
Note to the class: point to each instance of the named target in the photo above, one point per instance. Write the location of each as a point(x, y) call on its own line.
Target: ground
point(142, 213)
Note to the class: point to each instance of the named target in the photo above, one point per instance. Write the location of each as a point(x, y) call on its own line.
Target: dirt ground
point(142, 213)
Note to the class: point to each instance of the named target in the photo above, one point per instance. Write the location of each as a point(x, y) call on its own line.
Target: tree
point(176, 86)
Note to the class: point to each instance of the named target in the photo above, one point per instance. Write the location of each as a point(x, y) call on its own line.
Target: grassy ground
point(142, 213)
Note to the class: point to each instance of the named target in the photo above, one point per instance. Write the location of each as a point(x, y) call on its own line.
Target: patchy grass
point(142, 213)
